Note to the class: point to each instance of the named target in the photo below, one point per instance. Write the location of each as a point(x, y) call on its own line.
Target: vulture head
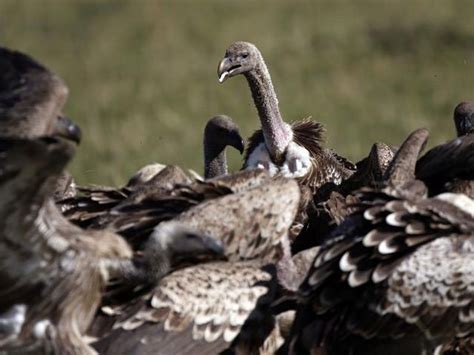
point(173, 244)
point(64, 127)
point(32, 99)
point(222, 131)
point(177, 239)
point(239, 58)
point(464, 118)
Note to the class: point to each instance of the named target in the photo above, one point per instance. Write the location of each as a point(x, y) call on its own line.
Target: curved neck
point(402, 167)
point(276, 132)
point(215, 161)
point(155, 266)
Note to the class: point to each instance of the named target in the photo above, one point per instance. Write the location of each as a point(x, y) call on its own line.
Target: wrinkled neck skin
point(215, 162)
point(276, 132)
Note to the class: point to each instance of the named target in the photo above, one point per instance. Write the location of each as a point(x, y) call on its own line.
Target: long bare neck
point(215, 161)
point(402, 167)
point(153, 268)
point(276, 132)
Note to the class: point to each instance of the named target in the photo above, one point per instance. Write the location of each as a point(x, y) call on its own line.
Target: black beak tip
point(75, 133)
point(214, 245)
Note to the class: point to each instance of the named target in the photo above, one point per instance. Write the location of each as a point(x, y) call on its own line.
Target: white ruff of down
point(297, 161)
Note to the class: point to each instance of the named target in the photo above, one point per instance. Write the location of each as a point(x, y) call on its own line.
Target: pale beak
point(223, 70)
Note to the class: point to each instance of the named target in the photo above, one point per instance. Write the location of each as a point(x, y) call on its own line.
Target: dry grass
point(142, 74)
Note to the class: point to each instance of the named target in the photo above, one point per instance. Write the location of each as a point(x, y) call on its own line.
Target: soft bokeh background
point(143, 82)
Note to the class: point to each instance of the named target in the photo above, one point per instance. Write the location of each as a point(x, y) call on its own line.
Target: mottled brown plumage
point(91, 208)
point(396, 275)
point(224, 303)
point(135, 218)
point(334, 203)
point(211, 301)
point(52, 273)
point(154, 182)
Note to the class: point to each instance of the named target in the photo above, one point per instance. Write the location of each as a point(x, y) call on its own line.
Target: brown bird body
point(52, 272)
point(397, 275)
point(92, 208)
point(221, 303)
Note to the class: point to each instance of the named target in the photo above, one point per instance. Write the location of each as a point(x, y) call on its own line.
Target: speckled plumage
point(396, 274)
point(222, 303)
point(211, 301)
point(252, 223)
point(395, 269)
point(91, 208)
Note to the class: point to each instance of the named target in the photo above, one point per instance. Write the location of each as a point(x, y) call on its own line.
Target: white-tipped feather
point(346, 264)
point(394, 219)
point(385, 248)
point(357, 277)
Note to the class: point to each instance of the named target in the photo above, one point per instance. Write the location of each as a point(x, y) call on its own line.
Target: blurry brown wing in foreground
point(70, 266)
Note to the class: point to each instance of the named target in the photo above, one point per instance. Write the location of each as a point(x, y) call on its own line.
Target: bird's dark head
point(31, 161)
point(239, 58)
point(222, 131)
point(31, 96)
point(182, 243)
point(464, 118)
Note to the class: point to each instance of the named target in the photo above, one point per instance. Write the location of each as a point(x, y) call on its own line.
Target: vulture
point(31, 103)
point(220, 304)
point(397, 274)
point(331, 203)
point(449, 167)
point(53, 273)
point(290, 150)
point(155, 181)
point(220, 132)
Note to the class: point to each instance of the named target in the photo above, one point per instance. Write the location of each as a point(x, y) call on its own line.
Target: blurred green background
point(143, 82)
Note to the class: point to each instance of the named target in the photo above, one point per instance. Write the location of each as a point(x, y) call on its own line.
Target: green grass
point(143, 82)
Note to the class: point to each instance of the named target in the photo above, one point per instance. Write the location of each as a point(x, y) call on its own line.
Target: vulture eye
point(245, 55)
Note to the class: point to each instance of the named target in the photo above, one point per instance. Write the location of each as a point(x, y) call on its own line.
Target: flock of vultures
point(299, 252)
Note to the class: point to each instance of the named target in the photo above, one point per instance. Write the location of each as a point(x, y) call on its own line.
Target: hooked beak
point(226, 69)
point(66, 128)
point(239, 144)
point(213, 245)
point(465, 125)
